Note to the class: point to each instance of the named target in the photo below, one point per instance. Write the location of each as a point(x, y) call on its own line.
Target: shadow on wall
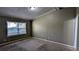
point(56, 26)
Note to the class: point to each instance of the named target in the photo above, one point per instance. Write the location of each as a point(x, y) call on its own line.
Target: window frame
point(18, 28)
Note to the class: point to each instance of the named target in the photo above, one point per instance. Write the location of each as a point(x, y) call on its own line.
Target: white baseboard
point(56, 43)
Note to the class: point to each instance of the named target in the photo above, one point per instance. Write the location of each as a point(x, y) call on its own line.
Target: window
point(16, 28)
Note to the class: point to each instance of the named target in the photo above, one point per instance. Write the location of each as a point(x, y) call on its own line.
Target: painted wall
point(69, 32)
point(78, 29)
point(56, 26)
point(2, 30)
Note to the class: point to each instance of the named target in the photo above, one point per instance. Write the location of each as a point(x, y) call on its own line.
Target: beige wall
point(52, 26)
point(69, 32)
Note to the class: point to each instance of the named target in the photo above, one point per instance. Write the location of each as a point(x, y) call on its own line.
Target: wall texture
point(56, 26)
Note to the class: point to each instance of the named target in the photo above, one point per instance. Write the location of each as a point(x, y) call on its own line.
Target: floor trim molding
point(56, 43)
point(10, 42)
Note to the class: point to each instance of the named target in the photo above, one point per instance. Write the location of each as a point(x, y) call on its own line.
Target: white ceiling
point(24, 12)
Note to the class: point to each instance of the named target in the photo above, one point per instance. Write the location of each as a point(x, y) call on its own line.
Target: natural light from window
point(16, 28)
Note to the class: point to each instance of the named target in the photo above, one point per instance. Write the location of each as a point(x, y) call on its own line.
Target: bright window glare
point(11, 24)
point(16, 28)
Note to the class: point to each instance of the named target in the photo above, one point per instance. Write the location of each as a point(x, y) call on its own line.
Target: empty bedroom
point(39, 29)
